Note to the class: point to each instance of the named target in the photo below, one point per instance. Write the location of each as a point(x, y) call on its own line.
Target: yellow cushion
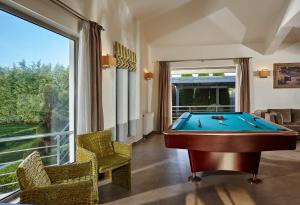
point(31, 172)
point(112, 162)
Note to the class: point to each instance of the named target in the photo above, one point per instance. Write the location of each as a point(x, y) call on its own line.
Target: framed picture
point(286, 75)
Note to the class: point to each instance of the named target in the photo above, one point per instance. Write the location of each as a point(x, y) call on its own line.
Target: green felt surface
point(233, 121)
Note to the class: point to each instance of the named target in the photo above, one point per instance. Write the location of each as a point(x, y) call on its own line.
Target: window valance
point(126, 59)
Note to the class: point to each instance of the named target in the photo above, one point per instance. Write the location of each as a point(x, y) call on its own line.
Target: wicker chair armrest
point(73, 193)
point(84, 155)
point(123, 149)
point(69, 171)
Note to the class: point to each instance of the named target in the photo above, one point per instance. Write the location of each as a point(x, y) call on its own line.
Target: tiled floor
point(160, 175)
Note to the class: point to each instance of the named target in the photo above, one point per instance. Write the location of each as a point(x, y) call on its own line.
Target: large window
point(36, 96)
point(202, 92)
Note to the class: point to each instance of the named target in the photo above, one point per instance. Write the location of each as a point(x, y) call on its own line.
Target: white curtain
point(84, 87)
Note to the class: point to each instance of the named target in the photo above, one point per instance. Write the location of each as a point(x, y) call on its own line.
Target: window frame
point(31, 19)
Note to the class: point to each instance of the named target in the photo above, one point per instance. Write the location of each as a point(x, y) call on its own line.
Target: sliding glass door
point(36, 96)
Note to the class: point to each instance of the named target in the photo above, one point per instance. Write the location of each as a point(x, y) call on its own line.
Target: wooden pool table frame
point(207, 149)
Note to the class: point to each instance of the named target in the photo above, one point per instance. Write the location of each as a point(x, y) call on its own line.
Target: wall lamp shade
point(108, 61)
point(148, 75)
point(264, 73)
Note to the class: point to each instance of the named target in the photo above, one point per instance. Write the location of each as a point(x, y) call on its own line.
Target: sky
point(20, 39)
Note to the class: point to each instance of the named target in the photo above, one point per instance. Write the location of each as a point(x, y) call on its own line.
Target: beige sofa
point(289, 118)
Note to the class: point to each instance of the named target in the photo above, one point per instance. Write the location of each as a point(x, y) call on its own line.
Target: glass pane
point(197, 96)
point(206, 96)
point(224, 96)
point(202, 92)
point(34, 95)
point(227, 99)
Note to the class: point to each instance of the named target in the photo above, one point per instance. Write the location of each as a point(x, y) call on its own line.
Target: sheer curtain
point(84, 79)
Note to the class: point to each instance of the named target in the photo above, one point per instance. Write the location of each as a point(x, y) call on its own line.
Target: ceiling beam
point(282, 26)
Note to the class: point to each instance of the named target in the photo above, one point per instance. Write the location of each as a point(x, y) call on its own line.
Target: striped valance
point(126, 59)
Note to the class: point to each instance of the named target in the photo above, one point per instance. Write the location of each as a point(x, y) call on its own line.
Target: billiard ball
point(217, 117)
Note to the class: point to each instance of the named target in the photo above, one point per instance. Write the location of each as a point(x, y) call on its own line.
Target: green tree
point(218, 74)
point(26, 89)
point(203, 74)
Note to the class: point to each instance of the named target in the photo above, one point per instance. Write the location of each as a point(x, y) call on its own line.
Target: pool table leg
point(254, 179)
point(194, 178)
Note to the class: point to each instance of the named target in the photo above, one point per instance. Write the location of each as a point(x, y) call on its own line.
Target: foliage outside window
point(186, 75)
point(203, 74)
point(218, 74)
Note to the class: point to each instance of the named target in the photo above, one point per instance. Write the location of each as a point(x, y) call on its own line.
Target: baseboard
point(154, 132)
point(138, 141)
point(151, 133)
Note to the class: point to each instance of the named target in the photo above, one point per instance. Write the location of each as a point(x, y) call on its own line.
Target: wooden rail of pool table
point(231, 141)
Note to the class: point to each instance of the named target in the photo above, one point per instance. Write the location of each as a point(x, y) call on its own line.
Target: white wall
point(263, 95)
point(220, 66)
point(121, 26)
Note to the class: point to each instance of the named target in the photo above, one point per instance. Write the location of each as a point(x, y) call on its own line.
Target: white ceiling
point(212, 29)
point(212, 22)
point(293, 36)
point(145, 9)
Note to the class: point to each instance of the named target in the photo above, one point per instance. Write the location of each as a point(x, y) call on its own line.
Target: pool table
point(227, 141)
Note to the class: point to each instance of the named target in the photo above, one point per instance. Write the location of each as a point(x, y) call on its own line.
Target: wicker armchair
point(59, 185)
point(106, 156)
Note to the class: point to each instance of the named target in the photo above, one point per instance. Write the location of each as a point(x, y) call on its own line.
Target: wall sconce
point(264, 73)
point(108, 61)
point(148, 75)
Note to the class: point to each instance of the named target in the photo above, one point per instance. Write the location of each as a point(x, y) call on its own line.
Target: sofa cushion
point(31, 173)
point(296, 115)
point(294, 124)
point(286, 114)
point(270, 117)
point(260, 113)
point(295, 127)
